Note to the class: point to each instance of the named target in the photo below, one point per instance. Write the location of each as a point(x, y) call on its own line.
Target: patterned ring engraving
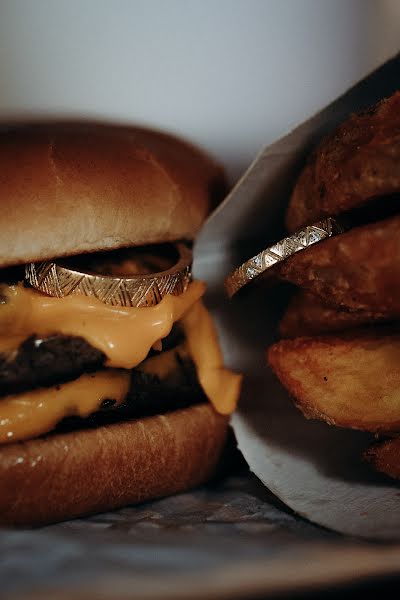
point(268, 258)
point(54, 279)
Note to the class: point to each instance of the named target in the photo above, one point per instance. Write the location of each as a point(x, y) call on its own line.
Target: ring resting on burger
point(105, 375)
point(56, 278)
point(123, 335)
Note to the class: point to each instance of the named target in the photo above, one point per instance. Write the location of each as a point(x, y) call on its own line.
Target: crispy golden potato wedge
point(307, 315)
point(351, 380)
point(356, 162)
point(385, 457)
point(357, 270)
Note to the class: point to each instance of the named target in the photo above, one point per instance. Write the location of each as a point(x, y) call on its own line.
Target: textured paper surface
point(315, 469)
point(226, 540)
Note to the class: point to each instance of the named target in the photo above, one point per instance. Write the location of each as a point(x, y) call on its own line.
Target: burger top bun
point(93, 470)
point(72, 188)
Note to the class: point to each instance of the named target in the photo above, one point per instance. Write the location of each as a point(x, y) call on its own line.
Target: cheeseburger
point(112, 384)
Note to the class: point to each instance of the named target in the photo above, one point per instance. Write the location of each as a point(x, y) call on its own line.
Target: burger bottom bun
point(89, 471)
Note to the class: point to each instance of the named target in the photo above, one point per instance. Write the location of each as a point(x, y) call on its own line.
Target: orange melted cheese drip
point(221, 386)
point(30, 414)
point(125, 335)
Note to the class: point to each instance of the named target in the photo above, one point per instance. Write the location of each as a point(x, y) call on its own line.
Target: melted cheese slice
point(125, 335)
point(30, 414)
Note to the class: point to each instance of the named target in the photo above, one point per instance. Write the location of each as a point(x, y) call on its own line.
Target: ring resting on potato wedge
point(340, 359)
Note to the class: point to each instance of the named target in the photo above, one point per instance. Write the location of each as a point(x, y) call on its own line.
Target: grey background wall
point(230, 74)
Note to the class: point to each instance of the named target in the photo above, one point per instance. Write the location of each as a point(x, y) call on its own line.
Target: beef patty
point(42, 363)
point(56, 359)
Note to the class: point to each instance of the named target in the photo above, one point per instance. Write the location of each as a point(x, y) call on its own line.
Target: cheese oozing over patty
point(23, 416)
point(125, 335)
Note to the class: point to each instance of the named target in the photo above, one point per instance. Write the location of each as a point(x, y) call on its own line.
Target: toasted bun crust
point(84, 472)
point(73, 188)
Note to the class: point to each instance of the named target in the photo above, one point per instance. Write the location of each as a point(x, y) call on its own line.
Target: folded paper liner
point(315, 469)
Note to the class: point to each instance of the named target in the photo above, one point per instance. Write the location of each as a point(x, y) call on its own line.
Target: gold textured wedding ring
point(56, 279)
point(268, 258)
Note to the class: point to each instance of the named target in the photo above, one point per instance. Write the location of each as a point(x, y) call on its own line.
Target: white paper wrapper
point(315, 469)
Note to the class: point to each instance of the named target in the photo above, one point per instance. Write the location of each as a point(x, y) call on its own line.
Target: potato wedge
point(358, 161)
point(385, 457)
point(350, 380)
point(308, 315)
point(357, 270)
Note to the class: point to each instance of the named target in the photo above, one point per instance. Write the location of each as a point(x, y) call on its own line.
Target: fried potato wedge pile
point(307, 315)
point(385, 457)
point(358, 161)
point(350, 380)
point(340, 356)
